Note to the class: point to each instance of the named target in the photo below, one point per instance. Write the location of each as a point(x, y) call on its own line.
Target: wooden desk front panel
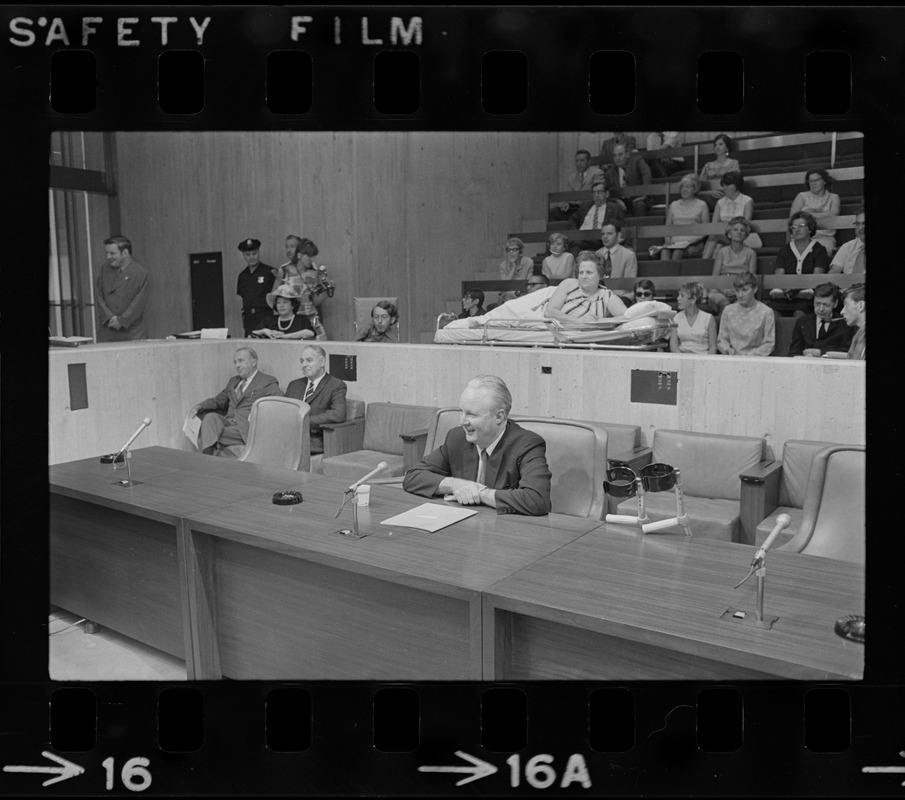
point(118, 569)
point(665, 592)
point(285, 618)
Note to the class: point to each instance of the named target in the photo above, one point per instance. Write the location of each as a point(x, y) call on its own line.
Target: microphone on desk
point(379, 468)
point(144, 424)
point(782, 521)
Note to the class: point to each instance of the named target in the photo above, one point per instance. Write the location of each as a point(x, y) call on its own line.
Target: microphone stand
point(127, 456)
point(354, 532)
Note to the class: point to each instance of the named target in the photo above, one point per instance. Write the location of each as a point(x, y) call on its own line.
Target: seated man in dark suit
point(229, 425)
point(489, 460)
point(591, 216)
point(325, 394)
point(815, 334)
point(628, 170)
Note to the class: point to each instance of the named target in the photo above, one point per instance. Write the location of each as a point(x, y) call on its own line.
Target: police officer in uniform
point(253, 285)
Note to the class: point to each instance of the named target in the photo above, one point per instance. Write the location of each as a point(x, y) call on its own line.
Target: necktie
point(821, 330)
point(482, 466)
point(309, 391)
point(621, 176)
point(594, 224)
point(240, 389)
point(607, 264)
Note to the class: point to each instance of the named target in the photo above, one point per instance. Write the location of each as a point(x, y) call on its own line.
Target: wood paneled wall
point(405, 214)
point(780, 398)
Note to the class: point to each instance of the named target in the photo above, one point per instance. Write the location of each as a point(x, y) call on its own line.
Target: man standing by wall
point(121, 294)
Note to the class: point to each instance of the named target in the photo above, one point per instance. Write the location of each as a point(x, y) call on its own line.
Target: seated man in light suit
point(229, 425)
point(325, 394)
point(489, 460)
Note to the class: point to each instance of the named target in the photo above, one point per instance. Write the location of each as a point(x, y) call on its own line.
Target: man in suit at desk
point(815, 334)
point(591, 217)
point(325, 394)
point(628, 170)
point(489, 459)
point(229, 426)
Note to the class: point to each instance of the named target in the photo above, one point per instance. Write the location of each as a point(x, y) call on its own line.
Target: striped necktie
point(309, 391)
point(482, 467)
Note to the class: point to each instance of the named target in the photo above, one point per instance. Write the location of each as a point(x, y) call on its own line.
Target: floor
point(104, 656)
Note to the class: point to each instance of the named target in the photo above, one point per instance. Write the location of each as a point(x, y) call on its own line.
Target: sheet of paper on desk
point(190, 428)
point(430, 517)
point(69, 341)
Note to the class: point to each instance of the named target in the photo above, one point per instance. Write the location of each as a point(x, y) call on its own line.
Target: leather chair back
point(710, 463)
point(833, 518)
point(797, 457)
point(278, 434)
point(576, 454)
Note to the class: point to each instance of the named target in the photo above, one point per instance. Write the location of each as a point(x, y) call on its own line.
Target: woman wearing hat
point(287, 323)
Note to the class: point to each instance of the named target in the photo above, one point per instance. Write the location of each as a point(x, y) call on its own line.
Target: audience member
point(732, 260)
point(628, 170)
point(820, 332)
point(609, 145)
point(505, 469)
point(802, 256)
point(289, 272)
point(732, 204)
point(591, 216)
point(821, 203)
point(747, 327)
point(383, 324)
point(585, 173)
point(121, 292)
point(287, 323)
point(253, 286)
point(642, 291)
point(851, 256)
point(583, 298)
point(854, 309)
point(687, 210)
point(472, 303)
point(229, 425)
point(722, 146)
point(661, 140)
point(616, 260)
point(534, 283)
point(516, 265)
point(324, 394)
point(696, 329)
point(559, 264)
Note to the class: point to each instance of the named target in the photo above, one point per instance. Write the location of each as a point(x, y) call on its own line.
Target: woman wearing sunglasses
point(803, 255)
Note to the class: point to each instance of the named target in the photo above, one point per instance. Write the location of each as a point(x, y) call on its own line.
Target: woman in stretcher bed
point(583, 299)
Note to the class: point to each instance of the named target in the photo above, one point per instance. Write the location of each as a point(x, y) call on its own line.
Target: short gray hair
point(317, 349)
point(250, 350)
point(497, 388)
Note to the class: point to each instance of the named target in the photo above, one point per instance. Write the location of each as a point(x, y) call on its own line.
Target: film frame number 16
point(134, 775)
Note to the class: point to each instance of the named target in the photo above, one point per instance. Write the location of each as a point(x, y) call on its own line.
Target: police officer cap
point(249, 244)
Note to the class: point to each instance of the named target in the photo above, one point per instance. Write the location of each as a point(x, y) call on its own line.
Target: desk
point(116, 555)
point(280, 596)
point(617, 605)
point(198, 562)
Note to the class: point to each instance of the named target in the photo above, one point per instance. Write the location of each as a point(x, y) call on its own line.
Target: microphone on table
point(117, 458)
point(379, 468)
point(782, 521)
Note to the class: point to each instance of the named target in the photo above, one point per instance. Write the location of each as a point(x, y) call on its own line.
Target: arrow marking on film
point(66, 769)
point(479, 768)
point(887, 769)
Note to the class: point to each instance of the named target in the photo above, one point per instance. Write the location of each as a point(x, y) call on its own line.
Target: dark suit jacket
point(637, 173)
point(838, 336)
point(328, 404)
point(237, 408)
point(517, 470)
point(613, 212)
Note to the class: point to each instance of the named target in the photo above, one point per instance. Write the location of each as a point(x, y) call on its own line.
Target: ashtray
point(289, 498)
point(851, 627)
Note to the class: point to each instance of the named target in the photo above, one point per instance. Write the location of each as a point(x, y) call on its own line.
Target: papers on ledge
point(190, 428)
point(430, 517)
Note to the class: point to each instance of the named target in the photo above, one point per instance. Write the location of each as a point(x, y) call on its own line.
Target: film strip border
point(425, 739)
point(458, 68)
